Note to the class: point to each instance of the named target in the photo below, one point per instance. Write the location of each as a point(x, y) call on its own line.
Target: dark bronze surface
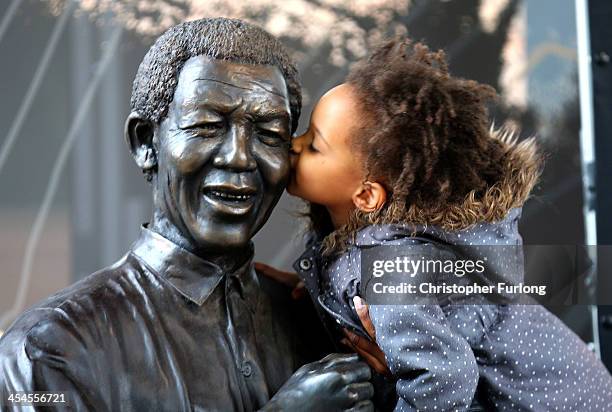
point(182, 322)
point(222, 155)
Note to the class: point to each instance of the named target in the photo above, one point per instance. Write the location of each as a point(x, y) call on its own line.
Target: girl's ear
point(370, 197)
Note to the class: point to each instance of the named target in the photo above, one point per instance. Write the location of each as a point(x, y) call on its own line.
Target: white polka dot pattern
point(517, 357)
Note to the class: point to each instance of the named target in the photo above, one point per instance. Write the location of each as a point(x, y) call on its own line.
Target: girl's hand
point(286, 278)
point(369, 350)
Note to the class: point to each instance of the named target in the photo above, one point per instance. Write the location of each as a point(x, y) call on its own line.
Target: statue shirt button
point(305, 264)
point(247, 369)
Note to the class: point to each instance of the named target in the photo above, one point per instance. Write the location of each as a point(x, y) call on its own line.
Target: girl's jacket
point(508, 354)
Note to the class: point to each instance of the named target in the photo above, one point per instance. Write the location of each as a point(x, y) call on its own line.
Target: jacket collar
point(194, 277)
point(390, 234)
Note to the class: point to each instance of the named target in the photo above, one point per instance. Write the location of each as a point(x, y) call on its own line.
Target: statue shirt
point(161, 330)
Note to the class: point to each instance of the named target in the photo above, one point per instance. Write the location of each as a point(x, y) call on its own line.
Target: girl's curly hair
point(426, 137)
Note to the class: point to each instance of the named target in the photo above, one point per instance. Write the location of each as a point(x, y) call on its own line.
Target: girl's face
point(325, 168)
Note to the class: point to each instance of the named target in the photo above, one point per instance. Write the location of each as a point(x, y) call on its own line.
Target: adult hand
point(369, 350)
point(338, 382)
point(286, 278)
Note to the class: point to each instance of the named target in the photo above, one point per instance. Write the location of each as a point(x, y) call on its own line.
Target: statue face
point(222, 152)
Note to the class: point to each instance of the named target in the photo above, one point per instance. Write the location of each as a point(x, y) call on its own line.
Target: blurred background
point(72, 200)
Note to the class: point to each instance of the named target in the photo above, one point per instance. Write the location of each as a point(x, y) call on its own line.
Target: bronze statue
point(182, 322)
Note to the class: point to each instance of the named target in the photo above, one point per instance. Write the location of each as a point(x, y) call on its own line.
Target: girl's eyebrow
point(318, 132)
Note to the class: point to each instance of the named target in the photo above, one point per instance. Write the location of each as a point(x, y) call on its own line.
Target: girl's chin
point(294, 190)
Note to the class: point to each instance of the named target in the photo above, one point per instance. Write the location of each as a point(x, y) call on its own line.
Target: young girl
point(402, 154)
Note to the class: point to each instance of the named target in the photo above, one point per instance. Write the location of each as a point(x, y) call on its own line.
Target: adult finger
point(364, 406)
point(358, 371)
point(364, 315)
point(361, 391)
point(334, 359)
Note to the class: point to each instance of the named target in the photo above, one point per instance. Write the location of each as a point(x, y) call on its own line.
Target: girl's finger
point(363, 346)
point(371, 360)
point(364, 316)
point(298, 291)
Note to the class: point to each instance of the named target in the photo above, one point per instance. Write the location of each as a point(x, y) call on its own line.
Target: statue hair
point(217, 38)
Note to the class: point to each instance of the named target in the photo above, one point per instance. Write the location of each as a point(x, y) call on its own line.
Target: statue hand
point(369, 350)
point(286, 278)
point(338, 382)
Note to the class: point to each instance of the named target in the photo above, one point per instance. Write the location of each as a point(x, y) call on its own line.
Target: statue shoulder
point(77, 308)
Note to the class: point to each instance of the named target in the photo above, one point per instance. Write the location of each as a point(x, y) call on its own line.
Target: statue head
point(214, 105)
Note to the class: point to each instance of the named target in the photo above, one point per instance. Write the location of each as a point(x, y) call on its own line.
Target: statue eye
point(206, 129)
point(271, 138)
point(210, 126)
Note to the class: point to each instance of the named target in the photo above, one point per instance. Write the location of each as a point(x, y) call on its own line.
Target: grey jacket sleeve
point(433, 364)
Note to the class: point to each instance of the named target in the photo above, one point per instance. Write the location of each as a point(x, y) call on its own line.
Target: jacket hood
point(521, 163)
point(499, 244)
point(479, 228)
point(522, 167)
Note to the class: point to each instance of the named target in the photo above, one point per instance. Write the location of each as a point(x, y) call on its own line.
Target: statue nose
point(235, 153)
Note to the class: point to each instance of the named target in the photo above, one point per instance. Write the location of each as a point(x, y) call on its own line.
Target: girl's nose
point(296, 145)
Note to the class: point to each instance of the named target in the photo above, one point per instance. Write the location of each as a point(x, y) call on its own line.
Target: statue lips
point(230, 199)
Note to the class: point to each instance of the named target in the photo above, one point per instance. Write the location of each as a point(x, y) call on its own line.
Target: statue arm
point(49, 358)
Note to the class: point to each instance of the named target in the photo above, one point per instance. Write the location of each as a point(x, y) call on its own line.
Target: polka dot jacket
point(511, 357)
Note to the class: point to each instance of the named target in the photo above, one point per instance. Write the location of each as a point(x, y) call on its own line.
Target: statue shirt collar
point(192, 276)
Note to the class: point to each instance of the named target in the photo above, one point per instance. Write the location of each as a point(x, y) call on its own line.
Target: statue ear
point(139, 134)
